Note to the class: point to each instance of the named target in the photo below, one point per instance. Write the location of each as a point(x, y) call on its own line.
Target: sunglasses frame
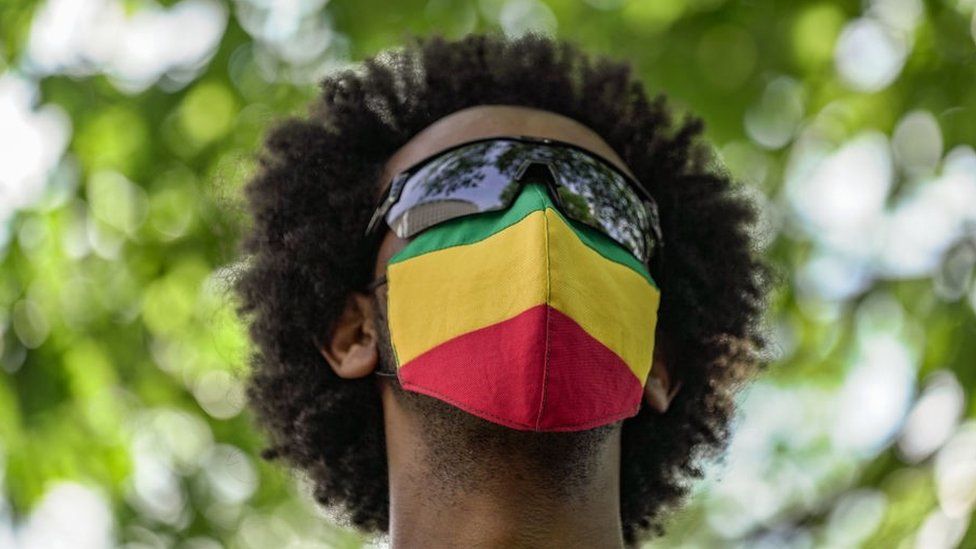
point(392, 193)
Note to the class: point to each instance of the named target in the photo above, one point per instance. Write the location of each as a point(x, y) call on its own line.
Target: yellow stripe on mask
point(443, 294)
point(611, 302)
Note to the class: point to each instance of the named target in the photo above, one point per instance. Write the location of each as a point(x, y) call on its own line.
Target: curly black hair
point(310, 201)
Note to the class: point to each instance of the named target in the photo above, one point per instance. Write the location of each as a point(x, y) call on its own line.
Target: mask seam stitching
point(545, 368)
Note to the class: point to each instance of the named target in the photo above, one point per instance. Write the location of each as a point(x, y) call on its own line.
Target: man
point(525, 374)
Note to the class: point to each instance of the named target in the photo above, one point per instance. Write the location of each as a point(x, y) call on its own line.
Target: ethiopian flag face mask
point(523, 317)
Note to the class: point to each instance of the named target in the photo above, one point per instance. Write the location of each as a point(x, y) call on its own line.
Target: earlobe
point(660, 390)
point(351, 348)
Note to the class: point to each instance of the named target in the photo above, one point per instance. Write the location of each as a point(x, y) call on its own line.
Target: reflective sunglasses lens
point(463, 181)
point(482, 176)
point(596, 195)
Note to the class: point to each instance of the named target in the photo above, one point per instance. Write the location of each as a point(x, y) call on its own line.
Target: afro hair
point(304, 252)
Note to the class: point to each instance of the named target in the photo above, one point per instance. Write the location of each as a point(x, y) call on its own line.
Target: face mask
point(523, 317)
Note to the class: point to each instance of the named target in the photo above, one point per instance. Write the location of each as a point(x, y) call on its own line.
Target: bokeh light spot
point(868, 56)
point(208, 112)
point(815, 31)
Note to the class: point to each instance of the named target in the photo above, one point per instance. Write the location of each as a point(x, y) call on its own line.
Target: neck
point(491, 509)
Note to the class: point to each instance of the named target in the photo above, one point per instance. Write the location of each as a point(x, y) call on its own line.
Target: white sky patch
point(955, 472)
point(520, 16)
point(839, 196)
point(32, 139)
point(773, 121)
point(69, 515)
point(925, 222)
point(763, 475)
point(871, 51)
point(901, 16)
point(282, 22)
point(917, 143)
point(875, 396)
point(295, 40)
point(87, 37)
point(940, 531)
point(230, 474)
point(869, 56)
point(855, 517)
point(933, 418)
point(832, 276)
point(167, 445)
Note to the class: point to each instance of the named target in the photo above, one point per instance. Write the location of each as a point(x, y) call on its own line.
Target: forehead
point(489, 121)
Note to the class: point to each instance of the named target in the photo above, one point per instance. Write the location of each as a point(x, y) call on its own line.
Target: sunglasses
point(487, 174)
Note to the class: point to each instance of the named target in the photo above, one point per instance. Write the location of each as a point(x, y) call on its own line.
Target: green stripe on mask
point(533, 197)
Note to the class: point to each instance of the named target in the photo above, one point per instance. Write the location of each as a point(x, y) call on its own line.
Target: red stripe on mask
point(501, 363)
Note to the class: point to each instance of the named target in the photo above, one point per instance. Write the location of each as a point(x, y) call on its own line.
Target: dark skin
point(503, 510)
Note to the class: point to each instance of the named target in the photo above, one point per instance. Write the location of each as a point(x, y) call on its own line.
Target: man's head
point(359, 343)
point(309, 261)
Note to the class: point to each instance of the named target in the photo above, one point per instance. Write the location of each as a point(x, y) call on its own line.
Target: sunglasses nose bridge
point(524, 169)
point(551, 182)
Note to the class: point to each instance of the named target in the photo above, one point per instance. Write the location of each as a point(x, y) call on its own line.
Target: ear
point(659, 390)
point(351, 348)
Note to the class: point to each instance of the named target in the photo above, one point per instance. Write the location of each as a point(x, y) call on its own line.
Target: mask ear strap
point(380, 280)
